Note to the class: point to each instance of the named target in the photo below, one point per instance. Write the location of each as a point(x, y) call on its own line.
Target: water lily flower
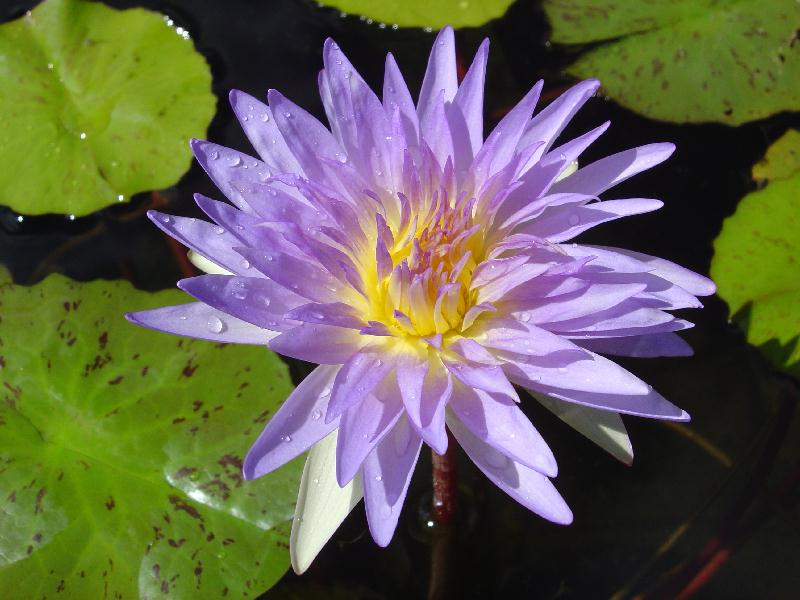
point(428, 270)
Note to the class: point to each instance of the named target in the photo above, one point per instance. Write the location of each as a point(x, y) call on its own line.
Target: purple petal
point(307, 138)
point(489, 378)
point(441, 74)
point(259, 126)
point(651, 404)
point(336, 314)
point(300, 276)
point(208, 240)
point(465, 114)
point(425, 388)
point(552, 120)
point(320, 344)
point(595, 298)
point(296, 426)
point(386, 474)
point(607, 172)
point(528, 487)
point(689, 280)
point(357, 378)
point(565, 222)
point(256, 300)
point(397, 96)
point(589, 373)
point(225, 165)
point(639, 346)
point(199, 320)
point(497, 421)
point(501, 145)
point(361, 428)
point(625, 319)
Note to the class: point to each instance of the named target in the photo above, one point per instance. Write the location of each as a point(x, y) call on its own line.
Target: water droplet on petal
point(287, 438)
point(215, 325)
point(316, 415)
point(378, 478)
point(219, 230)
point(165, 219)
point(245, 264)
point(574, 219)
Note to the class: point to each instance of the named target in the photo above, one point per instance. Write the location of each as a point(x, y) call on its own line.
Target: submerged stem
point(444, 507)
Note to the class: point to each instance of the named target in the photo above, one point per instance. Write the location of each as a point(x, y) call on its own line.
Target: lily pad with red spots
point(757, 258)
point(121, 449)
point(687, 61)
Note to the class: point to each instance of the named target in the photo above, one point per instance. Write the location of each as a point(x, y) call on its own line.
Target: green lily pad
point(96, 104)
point(756, 265)
point(121, 449)
point(423, 13)
point(687, 61)
point(782, 159)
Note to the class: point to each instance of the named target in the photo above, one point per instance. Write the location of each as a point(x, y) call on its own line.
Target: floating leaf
point(423, 13)
point(782, 159)
point(96, 104)
point(757, 259)
point(688, 60)
point(120, 452)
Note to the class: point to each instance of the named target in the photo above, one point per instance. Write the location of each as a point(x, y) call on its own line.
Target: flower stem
point(443, 513)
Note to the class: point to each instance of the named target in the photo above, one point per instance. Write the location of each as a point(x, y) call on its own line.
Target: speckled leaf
point(120, 452)
point(782, 159)
point(693, 61)
point(96, 104)
point(757, 260)
point(423, 13)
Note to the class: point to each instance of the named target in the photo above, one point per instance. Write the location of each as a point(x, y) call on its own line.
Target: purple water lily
point(427, 270)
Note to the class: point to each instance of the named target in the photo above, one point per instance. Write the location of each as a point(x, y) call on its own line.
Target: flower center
point(425, 272)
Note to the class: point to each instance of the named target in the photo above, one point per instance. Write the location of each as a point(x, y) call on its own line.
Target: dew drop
point(316, 415)
point(215, 325)
point(219, 230)
point(574, 219)
point(287, 438)
point(245, 264)
point(120, 198)
point(316, 480)
point(165, 219)
point(82, 135)
point(183, 317)
point(236, 161)
point(288, 115)
point(378, 478)
point(214, 155)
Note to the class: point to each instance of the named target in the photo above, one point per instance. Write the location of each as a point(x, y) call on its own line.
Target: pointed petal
point(640, 346)
point(607, 172)
point(321, 504)
point(259, 126)
point(466, 112)
point(361, 428)
point(296, 426)
point(322, 344)
point(528, 487)
point(565, 222)
point(441, 74)
point(199, 320)
point(357, 378)
point(497, 421)
point(258, 301)
point(205, 239)
point(386, 474)
point(603, 427)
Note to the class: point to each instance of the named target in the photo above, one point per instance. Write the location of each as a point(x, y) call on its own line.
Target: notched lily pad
point(757, 258)
point(782, 159)
point(422, 13)
point(688, 61)
point(121, 449)
point(96, 104)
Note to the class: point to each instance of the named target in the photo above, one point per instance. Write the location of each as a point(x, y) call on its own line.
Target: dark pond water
point(710, 509)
